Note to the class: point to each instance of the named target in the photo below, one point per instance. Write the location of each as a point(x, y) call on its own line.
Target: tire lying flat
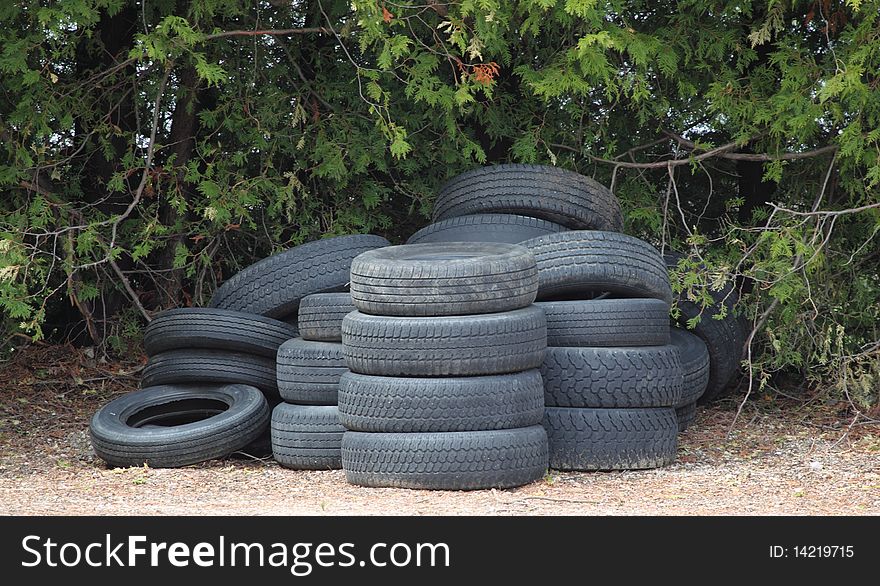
point(170, 425)
point(491, 343)
point(412, 405)
point(606, 322)
point(320, 316)
point(464, 460)
point(307, 437)
point(274, 286)
point(539, 191)
point(217, 329)
point(508, 228)
point(612, 378)
point(308, 372)
point(694, 365)
point(611, 439)
point(451, 278)
point(211, 366)
point(686, 414)
point(584, 261)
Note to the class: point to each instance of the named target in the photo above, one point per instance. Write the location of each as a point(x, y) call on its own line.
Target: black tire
point(217, 329)
point(445, 278)
point(491, 343)
point(607, 322)
point(686, 414)
point(612, 378)
point(308, 372)
point(694, 365)
point(169, 426)
point(274, 286)
point(458, 460)
point(611, 439)
point(724, 337)
point(549, 193)
point(211, 366)
point(406, 405)
point(307, 437)
point(320, 316)
point(594, 262)
point(508, 228)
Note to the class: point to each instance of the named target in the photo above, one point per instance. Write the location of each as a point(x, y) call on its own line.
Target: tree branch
point(317, 30)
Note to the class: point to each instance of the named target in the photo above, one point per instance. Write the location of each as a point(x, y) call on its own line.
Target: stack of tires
point(444, 391)
point(210, 381)
point(306, 433)
point(611, 377)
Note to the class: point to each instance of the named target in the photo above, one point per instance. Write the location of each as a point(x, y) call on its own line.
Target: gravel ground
point(768, 465)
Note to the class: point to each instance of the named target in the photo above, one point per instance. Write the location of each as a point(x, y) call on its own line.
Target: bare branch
point(317, 30)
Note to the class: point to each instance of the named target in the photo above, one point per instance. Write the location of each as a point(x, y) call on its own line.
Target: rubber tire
point(686, 415)
point(592, 262)
point(320, 316)
point(119, 444)
point(612, 378)
point(601, 323)
point(458, 460)
point(382, 404)
point(308, 372)
point(491, 343)
point(508, 228)
point(611, 439)
point(274, 286)
point(445, 278)
point(211, 366)
point(307, 437)
point(694, 365)
point(724, 338)
point(217, 329)
point(539, 191)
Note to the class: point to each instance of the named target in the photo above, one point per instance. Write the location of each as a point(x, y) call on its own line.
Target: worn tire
point(211, 366)
point(593, 262)
point(724, 337)
point(320, 316)
point(307, 437)
point(607, 322)
point(508, 228)
point(694, 365)
point(216, 329)
point(458, 460)
point(445, 278)
point(539, 191)
point(274, 286)
point(308, 372)
point(169, 426)
point(491, 343)
point(610, 439)
point(411, 405)
point(612, 378)
point(686, 414)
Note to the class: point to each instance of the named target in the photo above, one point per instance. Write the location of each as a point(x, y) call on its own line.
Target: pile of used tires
point(520, 331)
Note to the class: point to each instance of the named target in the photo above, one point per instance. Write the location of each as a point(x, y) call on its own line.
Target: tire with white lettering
point(458, 460)
point(307, 437)
point(168, 426)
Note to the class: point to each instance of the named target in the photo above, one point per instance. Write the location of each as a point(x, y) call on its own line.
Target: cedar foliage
point(147, 152)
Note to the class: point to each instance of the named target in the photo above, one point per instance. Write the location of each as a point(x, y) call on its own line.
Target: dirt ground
point(792, 459)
